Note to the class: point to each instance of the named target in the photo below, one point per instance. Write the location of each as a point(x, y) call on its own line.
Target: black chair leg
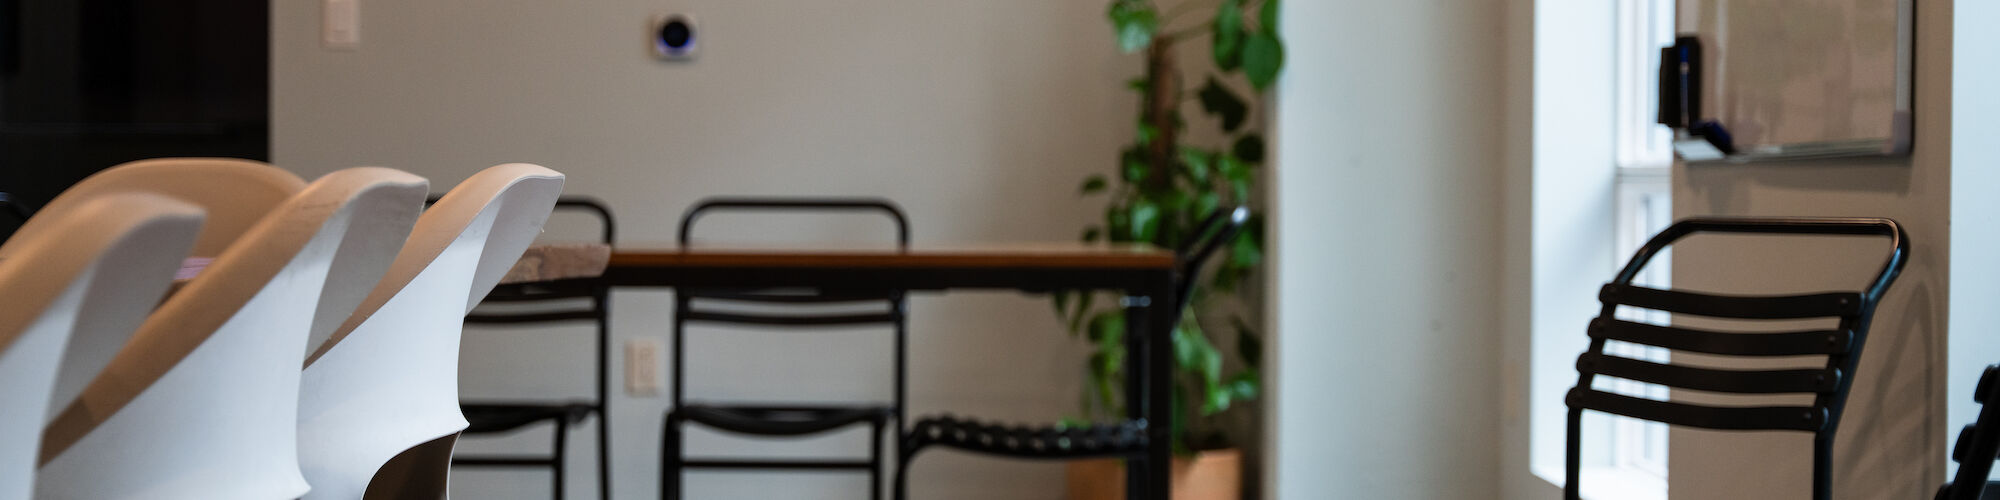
point(670, 459)
point(902, 475)
point(875, 462)
point(561, 457)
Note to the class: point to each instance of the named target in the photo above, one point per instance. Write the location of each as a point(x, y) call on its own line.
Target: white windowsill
point(1607, 483)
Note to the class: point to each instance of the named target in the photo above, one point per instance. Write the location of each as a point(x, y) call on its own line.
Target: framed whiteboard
point(1806, 78)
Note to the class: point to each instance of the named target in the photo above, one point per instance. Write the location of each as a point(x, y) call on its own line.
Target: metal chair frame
point(1126, 439)
point(1978, 445)
point(783, 420)
point(1830, 384)
point(19, 209)
point(561, 416)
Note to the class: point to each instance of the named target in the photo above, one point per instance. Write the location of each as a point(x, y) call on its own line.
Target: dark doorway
point(87, 84)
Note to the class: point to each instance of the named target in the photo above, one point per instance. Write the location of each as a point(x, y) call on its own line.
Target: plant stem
point(1162, 99)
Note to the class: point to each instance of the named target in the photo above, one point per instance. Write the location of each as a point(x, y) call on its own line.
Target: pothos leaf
point(1218, 100)
point(1249, 148)
point(1145, 220)
point(1093, 184)
point(1248, 344)
point(1263, 56)
point(1134, 22)
point(1267, 17)
point(1196, 163)
point(1228, 35)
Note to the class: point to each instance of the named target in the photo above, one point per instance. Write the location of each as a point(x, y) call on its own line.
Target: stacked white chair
point(378, 409)
point(234, 193)
point(202, 403)
point(103, 266)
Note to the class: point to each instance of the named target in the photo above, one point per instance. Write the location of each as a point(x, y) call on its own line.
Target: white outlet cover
point(340, 24)
point(644, 373)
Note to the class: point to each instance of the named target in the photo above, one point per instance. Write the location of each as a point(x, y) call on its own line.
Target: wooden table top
point(961, 256)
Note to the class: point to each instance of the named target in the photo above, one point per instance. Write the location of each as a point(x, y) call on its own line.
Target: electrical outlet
point(643, 373)
point(340, 24)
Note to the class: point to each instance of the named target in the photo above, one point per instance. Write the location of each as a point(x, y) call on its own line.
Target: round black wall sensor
point(674, 37)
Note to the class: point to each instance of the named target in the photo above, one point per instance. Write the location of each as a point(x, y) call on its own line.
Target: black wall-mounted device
point(674, 37)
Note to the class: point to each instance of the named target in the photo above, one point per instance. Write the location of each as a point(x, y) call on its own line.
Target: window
point(1643, 199)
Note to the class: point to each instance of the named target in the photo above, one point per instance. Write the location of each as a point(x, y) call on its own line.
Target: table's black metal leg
point(1149, 384)
point(603, 393)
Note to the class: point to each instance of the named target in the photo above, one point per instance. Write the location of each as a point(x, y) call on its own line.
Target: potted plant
point(1163, 186)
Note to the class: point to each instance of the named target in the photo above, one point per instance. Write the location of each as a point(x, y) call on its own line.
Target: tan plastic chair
point(386, 382)
point(97, 276)
point(203, 402)
point(236, 193)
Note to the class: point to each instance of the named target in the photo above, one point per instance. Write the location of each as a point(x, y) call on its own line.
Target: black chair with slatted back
point(1828, 385)
point(1978, 446)
point(569, 300)
point(1123, 439)
point(785, 309)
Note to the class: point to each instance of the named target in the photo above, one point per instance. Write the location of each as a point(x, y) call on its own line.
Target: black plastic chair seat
point(780, 421)
point(1127, 438)
point(492, 418)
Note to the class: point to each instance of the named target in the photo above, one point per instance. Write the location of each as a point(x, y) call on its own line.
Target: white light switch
point(341, 24)
point(643, 374)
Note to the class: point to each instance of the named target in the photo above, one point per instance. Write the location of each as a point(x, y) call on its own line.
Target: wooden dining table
point(1144, 275)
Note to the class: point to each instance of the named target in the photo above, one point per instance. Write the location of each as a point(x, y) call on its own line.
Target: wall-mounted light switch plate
point(643, 371)
point(340, 24)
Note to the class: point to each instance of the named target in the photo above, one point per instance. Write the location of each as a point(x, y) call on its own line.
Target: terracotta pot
point(1209, 475)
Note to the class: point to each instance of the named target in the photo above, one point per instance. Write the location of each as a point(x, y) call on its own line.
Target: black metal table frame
point(1147, 338)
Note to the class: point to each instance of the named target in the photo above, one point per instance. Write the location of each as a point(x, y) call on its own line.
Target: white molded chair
point(378, 405)
point(97, 276)
point(234, 193)
point(203, 402)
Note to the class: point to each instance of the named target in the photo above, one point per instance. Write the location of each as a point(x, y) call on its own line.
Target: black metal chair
point(783, 309)
point(1829, 385)
point(1978, 446)
point(17, 210)
point(14, 206)
point(559, 301)
point(1122, 439)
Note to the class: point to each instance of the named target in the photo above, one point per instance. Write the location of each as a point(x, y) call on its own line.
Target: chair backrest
point(1220, 228)
point(386, 380)
point(782, 308)
point(1978, 444)
point(15, 208)
point(726, 313)
point(202, 403)
point(112, 260)
point(556, 296)
point(235, 193)
point(1828, 384)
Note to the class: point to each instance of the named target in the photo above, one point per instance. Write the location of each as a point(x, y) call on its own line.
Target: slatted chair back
point(1978, 445)
point(770, 307)
point(801, 309)
point(1828, 384)
point(95, 279)
point(202, 403)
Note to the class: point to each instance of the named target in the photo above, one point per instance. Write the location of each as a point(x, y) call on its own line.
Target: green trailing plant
point(1164, 185)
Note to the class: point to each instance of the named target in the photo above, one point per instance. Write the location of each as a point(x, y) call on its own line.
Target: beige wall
point(1387, 217)
point(1892, 441)
point(979, 117)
